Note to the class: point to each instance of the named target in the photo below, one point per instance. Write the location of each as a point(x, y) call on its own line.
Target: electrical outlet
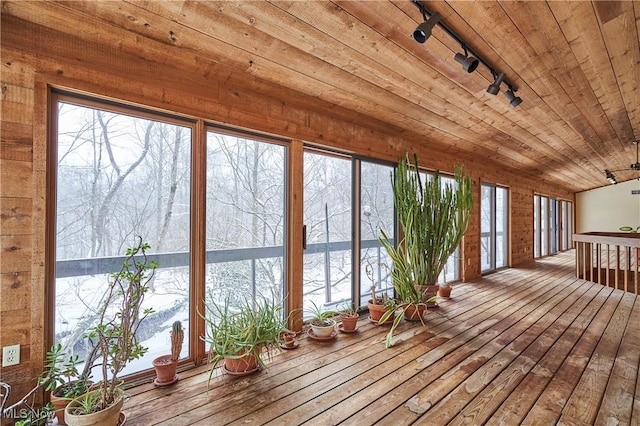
point(10, 355)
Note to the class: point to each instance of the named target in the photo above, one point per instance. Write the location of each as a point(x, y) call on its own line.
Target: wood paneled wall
point(35, 57)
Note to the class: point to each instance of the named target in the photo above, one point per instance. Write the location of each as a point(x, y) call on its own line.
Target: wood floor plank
point(441, 401)
point(498, 389)
point(469, 338)
point(617, 405)
point(526, 345)
point(583, 405)
point(518, 403)
point(548, 407)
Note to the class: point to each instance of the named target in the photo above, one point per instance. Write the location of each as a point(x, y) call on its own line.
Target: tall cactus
point(177, 337)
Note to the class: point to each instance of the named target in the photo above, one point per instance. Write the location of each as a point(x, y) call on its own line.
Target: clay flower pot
point(165, 370)
point(288, 340)
point(428, 291)
point(349, 322)
point(414, 312)
point(241, 366)
point(59, 404)
point(444, 292)
point(376, 311)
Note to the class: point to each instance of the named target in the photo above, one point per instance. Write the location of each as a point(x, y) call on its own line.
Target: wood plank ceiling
point(575, 64)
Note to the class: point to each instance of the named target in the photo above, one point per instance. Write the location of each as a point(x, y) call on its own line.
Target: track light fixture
point(423, 31)
point(494, 88)
point(514, 100)
point(469, 63)
point(633, 167)
point(470, 59)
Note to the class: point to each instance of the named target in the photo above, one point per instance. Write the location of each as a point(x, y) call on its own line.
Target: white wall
point(608, 208)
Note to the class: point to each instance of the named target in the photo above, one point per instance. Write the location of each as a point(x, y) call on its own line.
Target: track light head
point(423, 31)
point(610, 177)
point(469, 63)
point(514, 100)
point(494, 88)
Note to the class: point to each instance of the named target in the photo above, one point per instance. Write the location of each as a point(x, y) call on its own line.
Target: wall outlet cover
point(10, 355)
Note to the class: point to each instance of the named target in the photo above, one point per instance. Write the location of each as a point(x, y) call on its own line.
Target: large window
point(493, 227)
point(120, 176)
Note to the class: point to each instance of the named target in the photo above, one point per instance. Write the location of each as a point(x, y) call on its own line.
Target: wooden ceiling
point(575, 64)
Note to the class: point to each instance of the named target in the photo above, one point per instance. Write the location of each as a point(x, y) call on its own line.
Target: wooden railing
point(609, 258)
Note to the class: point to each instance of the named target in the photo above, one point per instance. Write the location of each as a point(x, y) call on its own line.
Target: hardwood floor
point(529, 345)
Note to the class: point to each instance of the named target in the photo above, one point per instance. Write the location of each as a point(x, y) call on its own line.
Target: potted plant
point(63, 380)
point(434, 216)
point(288, 339)
point(323, 326)
point(241, 333)
point(444, 292)
point(632, 230)
point(348, 318)
point(119, 316)
point(379, 305)
point(167, 365)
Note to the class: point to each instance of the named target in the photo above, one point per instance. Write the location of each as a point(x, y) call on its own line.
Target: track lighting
point(494, 88)
point(633, 167)
point(469, 59)
point(423, 31)
point(469, 63)
point(514, 100)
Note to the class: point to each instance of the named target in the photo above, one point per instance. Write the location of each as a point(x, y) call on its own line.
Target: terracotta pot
point(59, 404)
point(240, 366)
point(107, 417)
point(444, 292)
point(428, 291)
point(414, 312)
point(324, 330)
point(376, 312)
point(288, 339)
point(349, 322)
point(165, 370)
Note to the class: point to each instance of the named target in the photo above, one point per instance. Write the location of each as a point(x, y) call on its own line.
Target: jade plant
point(115, 335)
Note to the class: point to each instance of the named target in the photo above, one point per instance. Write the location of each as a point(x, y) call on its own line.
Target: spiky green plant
point(434, 217)
point(235, 329)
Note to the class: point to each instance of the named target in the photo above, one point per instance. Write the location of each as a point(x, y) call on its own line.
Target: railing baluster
point(617, 272)
point(591, 256)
